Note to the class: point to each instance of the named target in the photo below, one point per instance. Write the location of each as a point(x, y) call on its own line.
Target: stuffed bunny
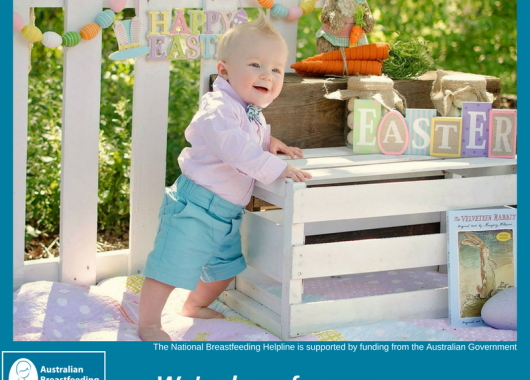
point(338, 20)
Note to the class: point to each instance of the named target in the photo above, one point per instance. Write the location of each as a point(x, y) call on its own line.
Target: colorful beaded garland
point(69, 39)
point(291, 13)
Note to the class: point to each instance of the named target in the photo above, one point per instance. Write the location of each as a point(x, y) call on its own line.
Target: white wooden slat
point(258, 294)
point(402, 198)
point(365, 256)
point(252, 310)
point(289, 31)
point(112, 264)
point(335, 226)
point(80, 144)
point(263, 250)
point(42, 270)
point(351, 160)
point(408, 169)
point(20, 142)
point(293, 234)
point(149, 142)
point(209, 66)
point(317, 316)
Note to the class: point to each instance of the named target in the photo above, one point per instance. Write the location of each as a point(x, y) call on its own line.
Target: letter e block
point(366, 118)
point(475, 129)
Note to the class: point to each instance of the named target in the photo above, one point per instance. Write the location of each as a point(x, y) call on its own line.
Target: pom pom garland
point(279, 10)
point(105, 19)
point(266, 3)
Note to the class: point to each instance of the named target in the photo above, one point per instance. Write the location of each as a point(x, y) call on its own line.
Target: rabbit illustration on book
point(487, 265)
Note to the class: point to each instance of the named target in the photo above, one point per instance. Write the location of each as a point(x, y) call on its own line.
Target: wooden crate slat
point(20, 145)
point(252, 310)
point(262, 296)
point(376, 200)
point(373, 255)
point(80, 149)
point(42, 270)
point(406, 168)
point(317, 316)
point(263, 251)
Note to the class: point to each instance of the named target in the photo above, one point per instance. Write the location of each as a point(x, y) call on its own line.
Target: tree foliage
point(470, 35)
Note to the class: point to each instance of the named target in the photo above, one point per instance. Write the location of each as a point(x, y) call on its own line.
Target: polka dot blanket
point(51, 311)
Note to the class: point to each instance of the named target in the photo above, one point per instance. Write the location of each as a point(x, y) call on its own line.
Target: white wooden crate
point(370, 196)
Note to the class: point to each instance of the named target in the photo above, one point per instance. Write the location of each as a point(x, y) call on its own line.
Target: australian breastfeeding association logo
point(53, 365)
point(23, 369)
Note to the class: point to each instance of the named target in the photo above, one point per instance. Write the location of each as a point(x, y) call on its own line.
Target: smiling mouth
point(261, 89)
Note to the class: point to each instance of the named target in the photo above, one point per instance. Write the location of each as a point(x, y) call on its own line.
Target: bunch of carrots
point(405, 59)
point(362, 60)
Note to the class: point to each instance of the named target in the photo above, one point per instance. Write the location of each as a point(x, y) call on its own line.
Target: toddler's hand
point(295, 174)
point(276, 146)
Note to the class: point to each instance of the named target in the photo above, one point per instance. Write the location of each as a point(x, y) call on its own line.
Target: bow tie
point(253, 113)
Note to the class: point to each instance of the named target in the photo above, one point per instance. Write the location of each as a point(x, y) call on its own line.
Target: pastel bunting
point(266, 3)
point(294, 13)
point(89, 31)
point(105, 19)
point(117, 5)
point(279, 10)
point(18, 23)
point(51, 40)
point(31, 33)
point(71, 39)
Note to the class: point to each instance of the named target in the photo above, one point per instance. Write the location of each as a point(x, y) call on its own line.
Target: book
point(481, 260)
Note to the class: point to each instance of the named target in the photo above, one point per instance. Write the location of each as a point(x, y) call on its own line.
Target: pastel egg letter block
point(446, 136)
point(393, 134)
point(366, 118)
point(503, 133)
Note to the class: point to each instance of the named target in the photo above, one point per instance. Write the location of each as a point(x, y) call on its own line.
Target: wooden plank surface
point(377, 200)
point(317, 316)
point(80, 149)
point(364, 256)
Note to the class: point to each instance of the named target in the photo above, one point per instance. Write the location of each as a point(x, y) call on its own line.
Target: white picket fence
point(79, 263)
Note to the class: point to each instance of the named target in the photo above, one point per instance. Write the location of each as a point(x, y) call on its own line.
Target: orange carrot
point(354, 67)
point(357, 30)
point(370, 52)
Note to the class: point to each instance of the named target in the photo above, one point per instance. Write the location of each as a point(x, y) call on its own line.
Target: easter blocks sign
point(475, 119)
point(419, 126)
point(366, 118)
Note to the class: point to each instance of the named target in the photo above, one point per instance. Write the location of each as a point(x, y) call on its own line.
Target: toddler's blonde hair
point(261, 26)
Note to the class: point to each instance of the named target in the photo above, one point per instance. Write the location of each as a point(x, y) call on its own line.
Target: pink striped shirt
point(228, 152)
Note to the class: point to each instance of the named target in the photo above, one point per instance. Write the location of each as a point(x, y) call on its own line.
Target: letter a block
point(393, 134)
point(446, 136)
point(503, 133)
point(366, 118)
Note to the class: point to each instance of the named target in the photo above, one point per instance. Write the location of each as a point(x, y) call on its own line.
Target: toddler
point(198, 245)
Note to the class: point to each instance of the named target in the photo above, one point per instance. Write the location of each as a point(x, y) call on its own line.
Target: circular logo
point(23, 369)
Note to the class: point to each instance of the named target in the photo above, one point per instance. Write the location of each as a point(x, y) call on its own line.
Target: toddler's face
point(255, 69)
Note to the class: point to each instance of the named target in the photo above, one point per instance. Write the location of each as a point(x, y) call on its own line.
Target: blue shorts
point(198, 237)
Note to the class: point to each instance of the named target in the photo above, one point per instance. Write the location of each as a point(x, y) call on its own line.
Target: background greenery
point(472, 36)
